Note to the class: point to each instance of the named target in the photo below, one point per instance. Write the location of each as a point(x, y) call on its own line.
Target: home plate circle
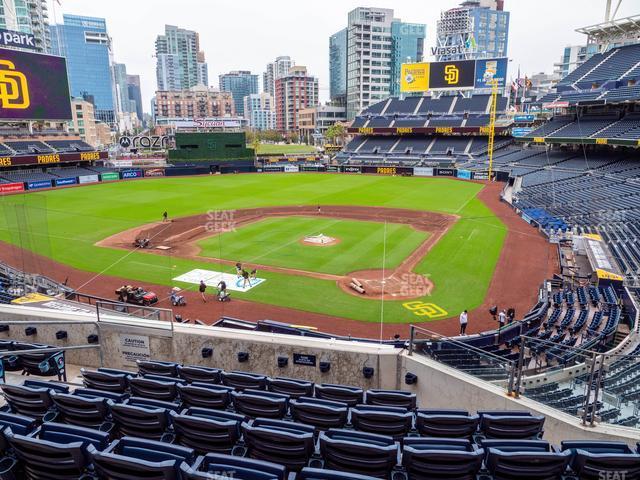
point(320, 240)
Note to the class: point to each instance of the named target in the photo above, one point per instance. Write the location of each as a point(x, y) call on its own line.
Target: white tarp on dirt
point(212, 278)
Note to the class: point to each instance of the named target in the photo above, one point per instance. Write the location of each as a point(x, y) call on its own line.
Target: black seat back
point(352, 396)
point(207, 430)
point(254, 404)
point(291, 387)
point(322, 414)
point(205, 395)
point(391, 398)
point(164, 369)
point(284, 443)
point(32, 402)
point(80, 410)
point(151, 388)
point(194, 373)
point(111, 382)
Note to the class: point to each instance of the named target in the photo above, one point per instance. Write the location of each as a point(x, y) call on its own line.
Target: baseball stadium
point(450, 290)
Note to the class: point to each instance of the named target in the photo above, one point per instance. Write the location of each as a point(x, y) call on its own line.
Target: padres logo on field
point(14, 91)
point(451, 74)
point(422, 309)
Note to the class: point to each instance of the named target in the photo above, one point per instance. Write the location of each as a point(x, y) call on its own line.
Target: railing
point(469, 359)
point(144, 316)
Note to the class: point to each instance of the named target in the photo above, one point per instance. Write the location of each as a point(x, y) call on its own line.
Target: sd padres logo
point(451, 74)
point(14, 91)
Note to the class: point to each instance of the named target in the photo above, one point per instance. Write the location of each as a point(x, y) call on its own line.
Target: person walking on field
point(464, 319)
point(203, 288)
point(165, 216)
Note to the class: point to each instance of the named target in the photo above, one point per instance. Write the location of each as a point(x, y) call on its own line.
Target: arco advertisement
point(128, 174)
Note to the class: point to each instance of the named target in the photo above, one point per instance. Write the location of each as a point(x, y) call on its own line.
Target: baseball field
point(457, 258)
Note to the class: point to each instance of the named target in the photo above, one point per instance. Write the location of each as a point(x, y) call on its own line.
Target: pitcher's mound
point(320, 240)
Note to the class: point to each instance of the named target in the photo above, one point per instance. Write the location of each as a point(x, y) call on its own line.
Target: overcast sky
point(246, 35)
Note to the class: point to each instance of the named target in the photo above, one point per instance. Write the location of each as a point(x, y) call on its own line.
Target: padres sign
point(33, 86)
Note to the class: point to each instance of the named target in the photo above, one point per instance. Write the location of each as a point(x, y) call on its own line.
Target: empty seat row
point(152, 418)
point(274, 450)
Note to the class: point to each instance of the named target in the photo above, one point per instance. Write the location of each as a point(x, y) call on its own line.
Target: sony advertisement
point(33, 86)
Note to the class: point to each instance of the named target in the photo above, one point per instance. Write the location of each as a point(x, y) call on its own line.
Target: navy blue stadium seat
point(289, 386)
point(56, 451)
point(195, 373)
point(207, 430)
point(286, 443)
point(322, 414)
point(593, 460)
point(143, 418)
point(391, 398)
point(516, 425)
point(446, 423)
point(101, 380)
point(524, 459)
point(352, 396)
point(164, 369)
point(243, 468)
point(82, 410)
point(358, 452)
point(393, 421)
point(244, 380)
point(146, 387)
point(32, 402)
point(18, 424)
point(441, 458)
point(205, 395)
point(320, 474)
point(256, 403)
point(135, 458)
point(46, 364)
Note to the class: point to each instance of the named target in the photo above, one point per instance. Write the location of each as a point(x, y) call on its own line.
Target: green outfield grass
point(276, 242)
point(286, 149)
point(65, 224)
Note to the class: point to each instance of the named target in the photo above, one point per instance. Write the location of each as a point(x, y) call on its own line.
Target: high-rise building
point(241, 83)
point(197, 102)
point(259, 109)
point(135, 94)
point(179, 62)
point(377, 45)
point(85, 43)
point(475, 29)
point(338, 67)
point(27, 16)
point(294, 91)
point(123, 101)
point(314, 122)
point(277, 69)
point(84, 123)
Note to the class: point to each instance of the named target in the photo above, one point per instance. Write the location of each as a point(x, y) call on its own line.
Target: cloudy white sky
point(247, 34)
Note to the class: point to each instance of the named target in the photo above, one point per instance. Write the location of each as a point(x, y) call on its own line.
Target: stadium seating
point(30, 147)
point(431, 458)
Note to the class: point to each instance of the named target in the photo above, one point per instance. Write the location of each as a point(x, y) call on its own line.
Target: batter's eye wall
point(212, 146)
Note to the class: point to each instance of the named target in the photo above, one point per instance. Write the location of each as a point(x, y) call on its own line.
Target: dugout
point(212, 148)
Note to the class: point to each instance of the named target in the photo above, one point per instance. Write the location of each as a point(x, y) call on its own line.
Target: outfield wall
point(438, 385)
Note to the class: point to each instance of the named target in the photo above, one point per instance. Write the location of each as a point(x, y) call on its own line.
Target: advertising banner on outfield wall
point(131, 174)
point(39, 184)
point(154, 172)
point(312, 168)
point(351, 169)
point(109, 176)
point(272, 168)
point(446, 172)
point(422, 172)
point(291, 168)
point(333, 168)
point(11, 187)
point(464, 174)
point(481, 175)
point(66, 181)
point(88, 179)
point(388, 170)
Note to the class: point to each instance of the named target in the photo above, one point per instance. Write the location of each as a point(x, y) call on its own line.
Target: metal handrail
point(449, 339)
point(15, 353)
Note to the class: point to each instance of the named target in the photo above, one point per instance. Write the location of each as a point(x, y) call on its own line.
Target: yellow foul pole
point(492, 124)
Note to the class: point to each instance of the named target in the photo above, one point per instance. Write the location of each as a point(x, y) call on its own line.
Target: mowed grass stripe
point(276, 242)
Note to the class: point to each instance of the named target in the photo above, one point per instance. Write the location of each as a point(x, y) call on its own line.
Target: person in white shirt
point(464, 319)
point(502, 318)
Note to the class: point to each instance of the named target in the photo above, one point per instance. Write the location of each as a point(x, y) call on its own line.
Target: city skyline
point(262, 42)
